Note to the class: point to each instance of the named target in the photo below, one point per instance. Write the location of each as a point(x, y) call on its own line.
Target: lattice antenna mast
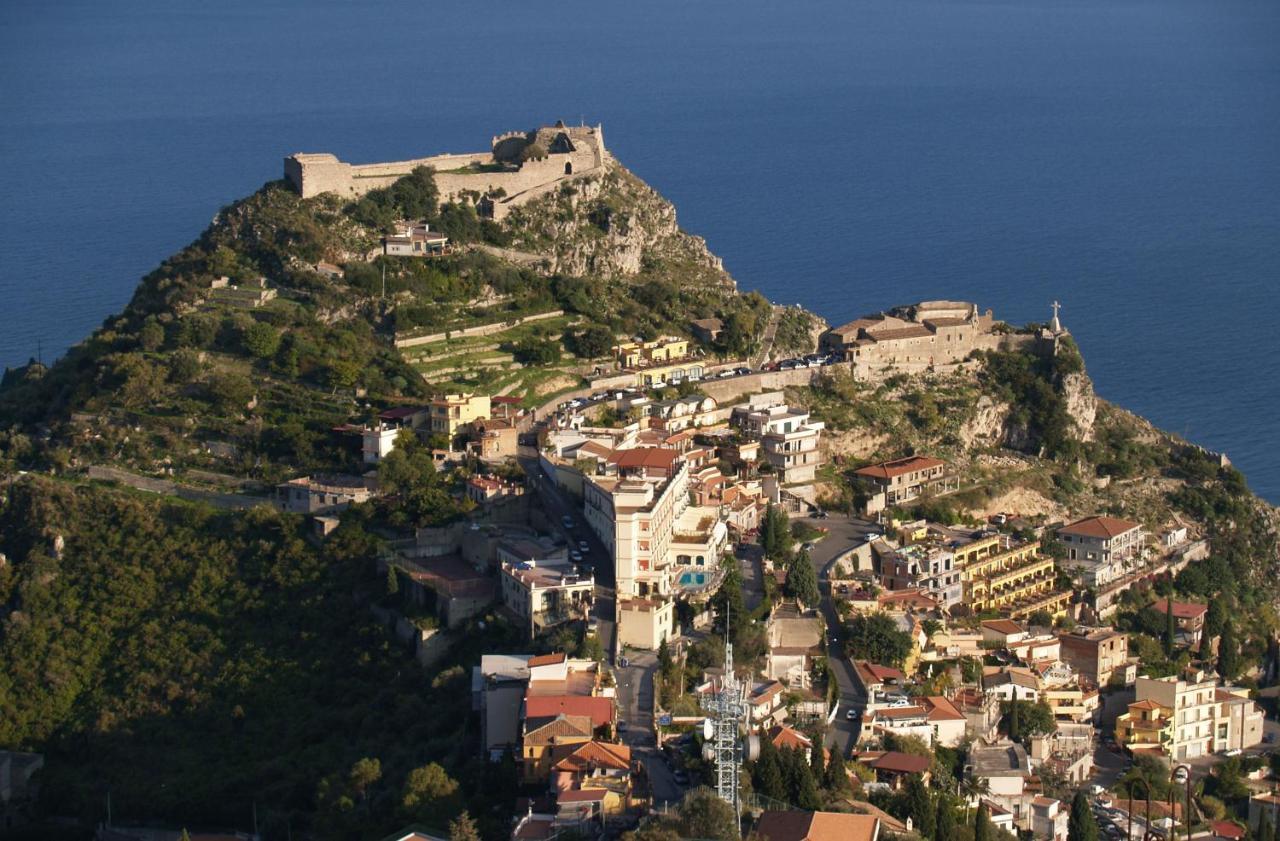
point(727, 708)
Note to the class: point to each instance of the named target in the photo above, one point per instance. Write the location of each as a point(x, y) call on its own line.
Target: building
point(645, 623)
point(646, 354)
point(1188, 616)
point(1013, 579)
point(789, 439)
point(1005, 768)
point(451, 412)
point(1049, 818)
point(901, 480)
point(541, 737)
point(323, 494)
point(1188, 717)
point(377, 441)
point(482, 489)
point(1011, 683)
point(495, 439)
point(706, 330)
point(928, 567)
point(414, 239)
point(1266, 803)
point(878, 681)
point(543, 593)
point(1100, 549)
point(1097, 654)
point(915, 337)
point(635, 513)
point(19, 786)
point(816, 826)
point(795, 639)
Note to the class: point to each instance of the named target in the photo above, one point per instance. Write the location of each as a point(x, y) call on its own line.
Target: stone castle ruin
point(519, 167)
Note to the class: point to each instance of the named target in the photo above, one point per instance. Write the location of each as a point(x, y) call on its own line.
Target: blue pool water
point(689, 578)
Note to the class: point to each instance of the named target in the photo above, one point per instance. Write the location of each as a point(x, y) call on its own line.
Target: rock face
point(611, 225)
point(1082, 404)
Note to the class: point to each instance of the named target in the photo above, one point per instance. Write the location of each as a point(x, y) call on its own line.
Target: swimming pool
point(693, 578)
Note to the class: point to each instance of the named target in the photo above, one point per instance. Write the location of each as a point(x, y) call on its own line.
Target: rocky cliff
point(613, 225)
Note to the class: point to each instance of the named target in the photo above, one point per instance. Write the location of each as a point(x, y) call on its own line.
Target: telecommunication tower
point(722, 729)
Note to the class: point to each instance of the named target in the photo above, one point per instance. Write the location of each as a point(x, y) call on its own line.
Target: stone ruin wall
point(314, 174)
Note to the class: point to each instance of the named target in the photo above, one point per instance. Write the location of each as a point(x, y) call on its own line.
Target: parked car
point(583, 546)
point(566, 521)
point(852, 714)
point(575, 556)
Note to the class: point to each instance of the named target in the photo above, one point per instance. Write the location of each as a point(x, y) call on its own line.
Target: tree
point(775, 532)
point(817, 762)
point(364, 773)
point(1082, 825)
point(703, 815)
point(151, 336)
point(945, 822)
point(983, 830)
point(920, 807)
point(429, 793)
point(535, 351)
point(1025, 719)
point(1216, 617)
point(463, 828)
point(767, 773)
point(1170, 627)
point(836, 778)
point(877, 638)
point(802, 580)
point(591, 342)
point(393, 580)
point(1266, 832)
point(261, 340)
point(804, 791)
point(1228, 653)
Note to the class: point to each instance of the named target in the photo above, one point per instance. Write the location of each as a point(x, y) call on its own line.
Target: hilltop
point(234, 657)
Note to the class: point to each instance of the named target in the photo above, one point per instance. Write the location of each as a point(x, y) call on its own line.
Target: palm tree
point(973, 788)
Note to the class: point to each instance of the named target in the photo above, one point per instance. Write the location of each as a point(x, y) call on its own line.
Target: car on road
point(853, 714)
point(566, 521)
point(593, 624)
point(575, 556)
point(584, 546)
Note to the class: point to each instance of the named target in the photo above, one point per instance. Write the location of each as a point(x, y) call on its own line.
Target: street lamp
point(1180, 775)
point(1146, 789)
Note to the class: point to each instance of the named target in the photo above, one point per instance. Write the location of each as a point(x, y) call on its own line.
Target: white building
point(545, 593)
point(790, 441)
point(1101, 549)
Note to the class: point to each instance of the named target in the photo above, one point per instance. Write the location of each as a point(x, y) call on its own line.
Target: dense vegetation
point(196, 664)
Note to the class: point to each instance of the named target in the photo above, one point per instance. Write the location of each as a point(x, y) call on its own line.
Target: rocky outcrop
point(1082, 404)
point(611, 225)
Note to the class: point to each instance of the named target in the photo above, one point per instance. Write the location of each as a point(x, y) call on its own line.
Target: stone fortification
point(518, 167)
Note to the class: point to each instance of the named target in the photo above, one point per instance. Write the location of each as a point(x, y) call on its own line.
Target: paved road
point(557, 505)
point(843, 533)
point(635, 707)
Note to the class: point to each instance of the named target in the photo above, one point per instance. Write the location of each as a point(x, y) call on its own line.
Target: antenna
point(726, 706)
point(384, 278)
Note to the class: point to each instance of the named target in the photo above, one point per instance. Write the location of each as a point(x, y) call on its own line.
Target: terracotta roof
point(899, 467)
point(897, 762)
point(547, 659)
point(650, 458)
point(941, 709)
point(766, 693)
point(1146, 704)
point(1041, 800)
point(783, 736)
point(599, 710)
point(1100, 527)
point(548, 731)
point(1003, 626)
point(899, 333)
point(816, 826)
point(588, 755)
point(1226, 829)
point(1181, 610)
point(583, 795)
point(875, 673)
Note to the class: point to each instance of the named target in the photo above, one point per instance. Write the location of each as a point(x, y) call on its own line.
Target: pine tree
point(1228, 653)
point(1082, 825)
point(463, 828)
point(983, 830)
point(1170, 629)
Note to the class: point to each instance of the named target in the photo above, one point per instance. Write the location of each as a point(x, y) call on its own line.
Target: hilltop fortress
point(519, 167)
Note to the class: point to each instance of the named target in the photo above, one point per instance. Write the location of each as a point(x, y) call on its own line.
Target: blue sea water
point(1120, 156)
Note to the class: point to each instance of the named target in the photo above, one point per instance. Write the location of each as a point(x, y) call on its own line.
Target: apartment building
point(1188, 717)
point(1097, 654)
point(902, 480)
point(635, 516)
point(928, 567)
point(658, 352)
point(1100, 549)
point(543, 593)
point(1014, 579)
point(789, 439)
point(451, 412)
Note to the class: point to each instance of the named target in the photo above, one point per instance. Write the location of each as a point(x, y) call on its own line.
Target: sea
point(1121, 157)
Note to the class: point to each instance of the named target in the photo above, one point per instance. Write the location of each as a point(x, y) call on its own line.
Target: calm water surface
point(1121, 156)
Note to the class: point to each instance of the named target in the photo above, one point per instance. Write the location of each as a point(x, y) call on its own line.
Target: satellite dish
point(753, 747)
point(708, 729)
point(708, 752)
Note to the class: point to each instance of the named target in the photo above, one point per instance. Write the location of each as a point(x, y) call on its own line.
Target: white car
point(852, 715)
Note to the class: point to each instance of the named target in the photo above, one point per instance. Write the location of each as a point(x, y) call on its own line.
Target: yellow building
point(453, 411)
point(543, 736)
point(658, 352)
point(664, 374)
point(1013, 579)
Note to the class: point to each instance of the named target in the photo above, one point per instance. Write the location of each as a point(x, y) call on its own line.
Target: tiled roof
point(816, 826)
point(1181, 610)
point(877, 673)
point(598, 709)
point(899, 467)
point(583, 795)
point(1099, 527)
point(587, 755)
point(783, 736)
point(650, 458)
point(901, 763)
point(941, 709)
point(547, 731)
point(547, 659)
point(1003, 626)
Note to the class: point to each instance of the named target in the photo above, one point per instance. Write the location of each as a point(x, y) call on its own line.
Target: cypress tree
point(1228, 653)
point(769, 777)
point(983, 830)
point(945, 823)
point(393, 581)
point(1170, 628)
point(817, 762)
point(837, 775)
point(1082, 825)
point(1015, 726)
point(920, 807)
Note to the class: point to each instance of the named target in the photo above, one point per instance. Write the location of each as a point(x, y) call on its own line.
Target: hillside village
point(905, 577)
